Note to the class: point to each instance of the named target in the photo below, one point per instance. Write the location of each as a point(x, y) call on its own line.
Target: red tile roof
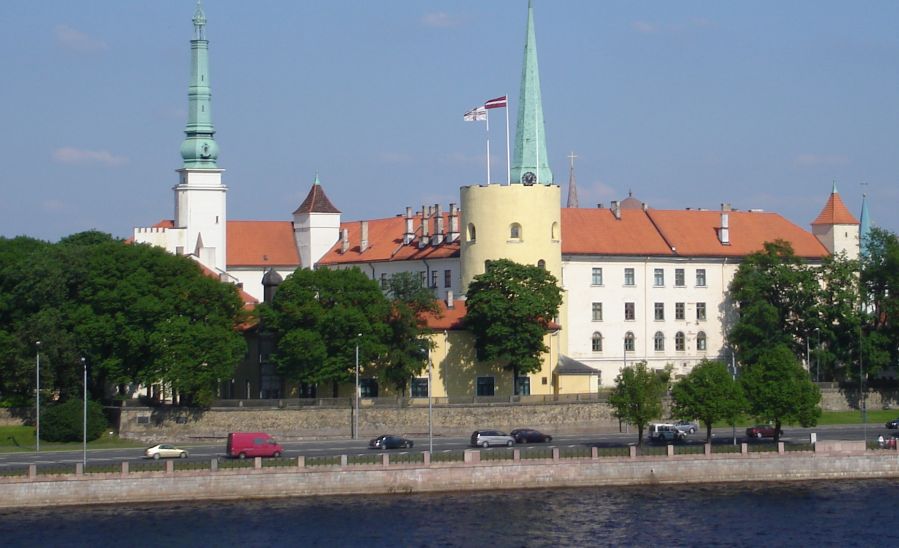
point(261, 243)
point(598, 232)
point(450, 318)
point(385, 243)
point(316, 202)
point(835, 212)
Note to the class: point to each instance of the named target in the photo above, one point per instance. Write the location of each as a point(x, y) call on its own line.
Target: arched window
point(472, 233)
point(515, 231)
point(629, 344)
point(658, 341)
point(679, 344)
point(597, 341)
point(541, 264)
point(555, 231)
point(701, 341)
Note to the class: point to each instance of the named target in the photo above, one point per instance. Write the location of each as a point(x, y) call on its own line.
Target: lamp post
point(37, 399)
point(356, 399)
point(84, 431)
point(733, 365)
point(430, 407)
point(818, 356)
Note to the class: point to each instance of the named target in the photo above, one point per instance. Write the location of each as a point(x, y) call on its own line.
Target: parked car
point(486, 438)
point(687, 427)
point(252, 444)
point(665, 433)
point(893, 424)
point(387, 441)
point(888, 442)
point(760, 431)
point(528, 435)
point(164, 451)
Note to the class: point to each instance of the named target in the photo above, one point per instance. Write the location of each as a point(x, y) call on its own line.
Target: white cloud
point(75, 40)
point(72, 155)
point(439, 19)
point(818, 160)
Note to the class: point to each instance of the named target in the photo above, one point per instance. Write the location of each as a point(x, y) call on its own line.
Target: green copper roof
point(530, 136)
point(864, 229)
point(199, 148)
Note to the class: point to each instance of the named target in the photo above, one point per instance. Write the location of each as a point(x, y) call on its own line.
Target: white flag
point(475, 114)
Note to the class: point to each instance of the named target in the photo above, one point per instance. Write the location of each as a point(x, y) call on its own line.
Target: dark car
point(388, 441)
point(528, 435)
point(760, 431)
point(893, 424)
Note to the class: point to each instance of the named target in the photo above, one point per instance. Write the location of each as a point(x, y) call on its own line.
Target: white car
point(164, 451)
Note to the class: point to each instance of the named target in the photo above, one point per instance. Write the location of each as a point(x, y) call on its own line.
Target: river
point(823, 513)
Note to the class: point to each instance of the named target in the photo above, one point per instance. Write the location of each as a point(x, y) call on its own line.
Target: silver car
point(687, 427)
point(486, 438)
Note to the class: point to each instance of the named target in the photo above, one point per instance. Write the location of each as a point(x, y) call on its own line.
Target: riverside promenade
point(422, 472)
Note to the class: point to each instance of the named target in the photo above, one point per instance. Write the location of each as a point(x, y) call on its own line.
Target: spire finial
point(834, 190)
point(572, 185)
point(315, 182)
point(199, 21)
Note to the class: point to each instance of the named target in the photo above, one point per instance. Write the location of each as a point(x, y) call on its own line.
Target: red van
point(252, 444)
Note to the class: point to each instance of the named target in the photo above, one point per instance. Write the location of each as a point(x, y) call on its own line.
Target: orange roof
point(450, 318)
point(598, 232)
point(835, 212)
point(261, 243)
point(385, 243)
point(695, 233)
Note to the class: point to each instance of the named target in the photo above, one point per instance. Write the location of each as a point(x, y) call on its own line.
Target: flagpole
point(508, 160)
point(487, 118)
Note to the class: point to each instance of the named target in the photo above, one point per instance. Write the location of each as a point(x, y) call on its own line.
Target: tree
point(776, 296)
point(708, 393)
point(65, 421)
point(637, 396)
point(778, 390)
point(880, 299)
point(835, 335)
point(318, 317)
point(509, 310)
point(408, 344)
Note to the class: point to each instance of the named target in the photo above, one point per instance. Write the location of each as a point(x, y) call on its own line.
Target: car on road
point(687, 427)
point(164, 451)
point(528, 435)
point(893, 424)
point(888, 442)
point(665, 433)
point(388, 441)
point(486, 438)
point(252, 444)
point(760, 431)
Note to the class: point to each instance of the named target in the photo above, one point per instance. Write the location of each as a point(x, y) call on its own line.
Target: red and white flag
point(475, 115)
point(499, 102)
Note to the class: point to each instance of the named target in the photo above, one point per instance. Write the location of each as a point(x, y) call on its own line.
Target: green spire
point(199, 148)
point(530, 136)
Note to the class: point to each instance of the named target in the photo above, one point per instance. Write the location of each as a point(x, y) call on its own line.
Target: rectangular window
point(700, 277)
point(423, 278)
point(524, 386)
point(596, 343)
point(659, 277)
point(485, 386)
point(629, 311)
point(660, 311)
point(679, 279)
point(679, 311)
point(658, 342)
point(629, 343)
point(433, 278)
point(447, 278)
point(700, 311)
point(679, 342)
point(368, 388)
point(628, 276)
point(597, 276)
point(419, 388)
point(597, 312)
point(383, 281)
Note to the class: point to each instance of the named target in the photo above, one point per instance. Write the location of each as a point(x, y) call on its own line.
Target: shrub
point(64, 421)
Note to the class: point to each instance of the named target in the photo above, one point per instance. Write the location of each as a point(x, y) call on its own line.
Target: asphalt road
point(440, 443)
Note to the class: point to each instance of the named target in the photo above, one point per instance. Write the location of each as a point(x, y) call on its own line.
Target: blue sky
point(687, 104)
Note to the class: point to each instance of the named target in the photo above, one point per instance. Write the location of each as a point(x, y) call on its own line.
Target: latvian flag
point(499, 102)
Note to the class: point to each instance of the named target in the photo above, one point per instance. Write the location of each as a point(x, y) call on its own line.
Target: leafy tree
point(834, 337)
point(779, 390)
point(509, 309)
point(880, 299)
point(637, 396)
point(708, 393)
point(65, 421)
point(319, 316)
point(408, 344)
point(776, 295)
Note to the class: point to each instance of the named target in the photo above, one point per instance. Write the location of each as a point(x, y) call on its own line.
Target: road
point(353, 447)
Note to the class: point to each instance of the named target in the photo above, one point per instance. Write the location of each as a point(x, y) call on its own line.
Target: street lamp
point(37, 399)
point(84, 431)
point(733, 365)
point(818, 356)
point(430, 407)
point(356, 410)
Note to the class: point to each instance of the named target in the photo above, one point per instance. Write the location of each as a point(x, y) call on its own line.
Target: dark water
point(847, 513)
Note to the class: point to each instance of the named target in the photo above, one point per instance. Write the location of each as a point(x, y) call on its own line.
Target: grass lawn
point(21, 439)
point(876, 417)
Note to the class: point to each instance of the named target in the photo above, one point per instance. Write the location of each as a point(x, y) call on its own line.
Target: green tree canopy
point(509, 310)
point(778, 390)
point(708, 393)
point(880, 299)
point(408, 344)
point(637, 396)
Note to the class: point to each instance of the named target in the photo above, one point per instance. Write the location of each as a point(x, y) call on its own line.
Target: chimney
point(599, 205)
point(438, 231)
point(453, 224)
point(409, 235)
point(724, 231)
point(344, 240)
point(726, 207)
point(645, 206)
point(363, 243)
point(425, 238)
point(449, 299)
point(616, 209)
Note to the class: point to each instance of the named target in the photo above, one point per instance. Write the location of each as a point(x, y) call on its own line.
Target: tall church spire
point(529, 164)
point(199, 148)
point(572, 185)
point(864, 230)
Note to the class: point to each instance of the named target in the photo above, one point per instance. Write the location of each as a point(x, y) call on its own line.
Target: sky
point(761, 104)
